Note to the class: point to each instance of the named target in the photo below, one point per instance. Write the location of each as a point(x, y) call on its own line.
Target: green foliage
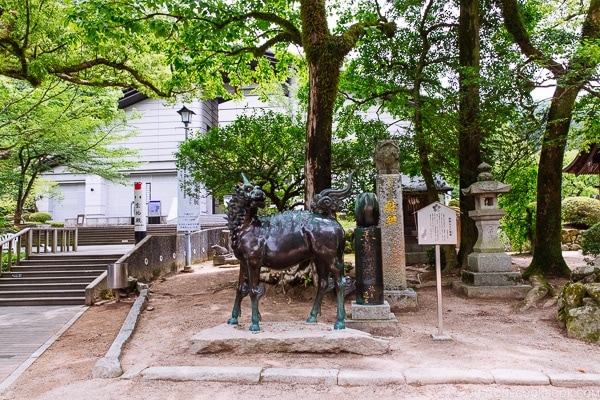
point(267, 147)
point(590, 243)
point(4, 266)
point(352, 151)
point(74, 41)
point(42, 217)
point(430, 251)
point(519, 203)
point(580, 212)
point(405, 76)
point(5, 261)
point(7, 226)
point(349, 235)
point(58, 125)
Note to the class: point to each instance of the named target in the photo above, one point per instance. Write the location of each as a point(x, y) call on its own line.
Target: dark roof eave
point(585, 163)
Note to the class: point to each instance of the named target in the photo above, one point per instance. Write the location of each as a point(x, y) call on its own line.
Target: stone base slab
point(491, 278)
point(377, 327)
point(370, 311)
point(286, 337)
point(491, 292)
point(489, 262)
point(401, 300)
point(375, 319)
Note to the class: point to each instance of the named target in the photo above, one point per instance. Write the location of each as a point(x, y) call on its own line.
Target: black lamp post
point(186, 118)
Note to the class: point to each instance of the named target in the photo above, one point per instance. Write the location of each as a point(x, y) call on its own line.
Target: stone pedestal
point(377, 320)
point(401, 300)
point(490, 275)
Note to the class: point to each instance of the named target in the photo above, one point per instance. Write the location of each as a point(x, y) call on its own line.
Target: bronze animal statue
point(282, 240)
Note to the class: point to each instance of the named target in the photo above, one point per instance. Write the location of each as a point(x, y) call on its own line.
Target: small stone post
point(367, 245)
point(489, 272)
point(389, 193)
point(370, 312)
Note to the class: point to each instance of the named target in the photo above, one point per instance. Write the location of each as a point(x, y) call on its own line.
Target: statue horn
point(340, 193)
point(246, 181)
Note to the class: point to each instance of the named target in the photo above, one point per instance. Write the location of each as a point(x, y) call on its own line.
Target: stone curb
point(333, 377)
point(109, 366)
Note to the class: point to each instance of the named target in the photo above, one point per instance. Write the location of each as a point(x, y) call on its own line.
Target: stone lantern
point(489, 272)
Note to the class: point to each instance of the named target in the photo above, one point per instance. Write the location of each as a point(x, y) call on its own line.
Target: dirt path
point(486, 334)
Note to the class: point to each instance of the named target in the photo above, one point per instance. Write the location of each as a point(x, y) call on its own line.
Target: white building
point(160, 131)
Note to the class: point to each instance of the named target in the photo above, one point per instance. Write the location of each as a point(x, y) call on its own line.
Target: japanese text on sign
point(436, 224)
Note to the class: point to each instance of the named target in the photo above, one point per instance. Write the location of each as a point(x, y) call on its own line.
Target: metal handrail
point(40, 239)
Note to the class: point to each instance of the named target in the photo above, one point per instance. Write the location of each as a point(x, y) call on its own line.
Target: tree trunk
point(323, 82)
point(469, 131)
point(547, 252)
point(324, 54)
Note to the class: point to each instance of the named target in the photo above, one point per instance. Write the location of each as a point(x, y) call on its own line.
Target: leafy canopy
point(58, 125)
point(267, 147)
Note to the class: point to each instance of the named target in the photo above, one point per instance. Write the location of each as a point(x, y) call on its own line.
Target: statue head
point(387, 157)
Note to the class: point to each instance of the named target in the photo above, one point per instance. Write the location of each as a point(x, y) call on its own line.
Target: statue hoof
point(254, 328)
point(311, 320)
point(232, 321)
point(339, 325)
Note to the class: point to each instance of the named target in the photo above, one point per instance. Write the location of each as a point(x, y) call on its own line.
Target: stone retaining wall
point(571, 239)
point(156, 256)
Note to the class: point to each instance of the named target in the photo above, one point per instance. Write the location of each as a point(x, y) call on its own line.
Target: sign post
point(437, 225)
point(188, 218)
point(139, 212)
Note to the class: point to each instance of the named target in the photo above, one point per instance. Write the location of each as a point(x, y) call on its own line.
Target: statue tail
point(329, 201)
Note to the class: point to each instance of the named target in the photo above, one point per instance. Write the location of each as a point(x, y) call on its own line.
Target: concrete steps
point(52, 279)
point(118, 234)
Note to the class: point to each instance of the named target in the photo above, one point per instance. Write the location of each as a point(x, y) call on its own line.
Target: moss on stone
point(593, 290)
point(571, 295)
point(584, 323)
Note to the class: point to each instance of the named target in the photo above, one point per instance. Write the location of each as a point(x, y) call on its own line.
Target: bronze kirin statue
point(282, 240)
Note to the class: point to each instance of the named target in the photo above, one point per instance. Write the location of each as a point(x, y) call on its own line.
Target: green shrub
point(41, 217)
point(580, 212)
point(4, 264)
point(430, 251)
point(56, 224)
point(6, 226)
point(454, 202)
point(590, 243)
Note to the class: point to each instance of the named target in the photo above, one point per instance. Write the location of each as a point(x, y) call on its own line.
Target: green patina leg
point(316, 308)
point(254, 296)
point(241, 292)
point(341, 311)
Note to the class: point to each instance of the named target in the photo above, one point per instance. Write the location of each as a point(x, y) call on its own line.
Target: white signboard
point(139, 209)
point(188, 210)
point(436, 224)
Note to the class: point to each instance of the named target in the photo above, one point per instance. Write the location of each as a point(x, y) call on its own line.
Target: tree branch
point(513, 21)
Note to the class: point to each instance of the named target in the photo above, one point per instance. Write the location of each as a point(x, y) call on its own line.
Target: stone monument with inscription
point(389, 192)
point(489, 270)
